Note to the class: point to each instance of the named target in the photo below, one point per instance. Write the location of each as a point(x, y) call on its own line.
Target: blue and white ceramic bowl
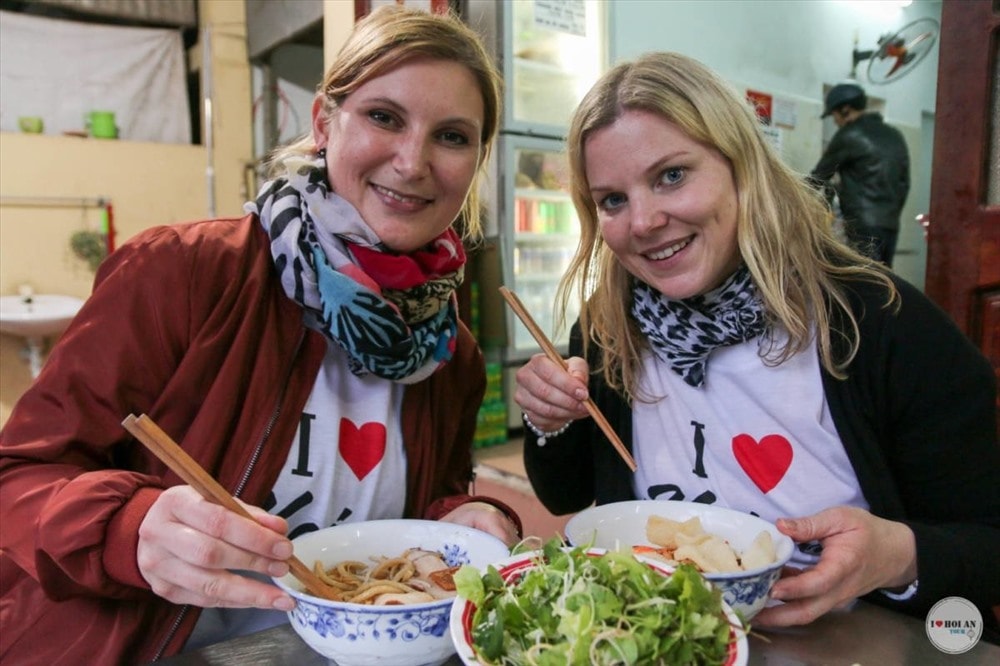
point(623, 524)
point(360, 635)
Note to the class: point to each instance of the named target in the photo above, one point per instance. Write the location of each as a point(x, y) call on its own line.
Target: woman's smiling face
point(403, 148)
point(666, 204)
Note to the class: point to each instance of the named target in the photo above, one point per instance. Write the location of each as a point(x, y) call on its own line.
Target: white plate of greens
point(590, 606)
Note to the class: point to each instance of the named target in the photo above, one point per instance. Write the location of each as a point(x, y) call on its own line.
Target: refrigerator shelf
point(542, 195)
point(533, 277)
point(547, 69)
point(544, 237)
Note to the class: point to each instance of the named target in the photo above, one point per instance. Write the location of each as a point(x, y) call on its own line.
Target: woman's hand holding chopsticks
point(551, 395)
point(579, 371)
point(189, 546)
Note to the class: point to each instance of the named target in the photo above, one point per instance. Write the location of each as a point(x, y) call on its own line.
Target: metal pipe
point(108, 226)
point(53, 202)
point(269, 104)
point(206, 94)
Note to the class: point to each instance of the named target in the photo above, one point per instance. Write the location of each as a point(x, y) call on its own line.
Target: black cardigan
point(917, 417)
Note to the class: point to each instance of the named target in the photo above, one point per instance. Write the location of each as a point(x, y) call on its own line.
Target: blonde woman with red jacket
point(309, 356)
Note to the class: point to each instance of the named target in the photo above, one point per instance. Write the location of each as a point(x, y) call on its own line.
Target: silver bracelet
point(543, 436)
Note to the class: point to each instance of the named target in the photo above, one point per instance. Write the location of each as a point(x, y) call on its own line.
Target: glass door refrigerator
point(550, 52)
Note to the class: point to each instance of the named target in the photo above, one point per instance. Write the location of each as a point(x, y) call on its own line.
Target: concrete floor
point(500, 474)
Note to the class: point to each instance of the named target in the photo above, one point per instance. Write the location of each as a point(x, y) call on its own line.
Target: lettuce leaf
point(575, 609)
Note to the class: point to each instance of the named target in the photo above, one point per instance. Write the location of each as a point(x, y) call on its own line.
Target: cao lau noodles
point(417, 576)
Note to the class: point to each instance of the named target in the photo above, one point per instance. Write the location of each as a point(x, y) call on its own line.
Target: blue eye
point(612, 201)
point(672, 175)
point(455, 138)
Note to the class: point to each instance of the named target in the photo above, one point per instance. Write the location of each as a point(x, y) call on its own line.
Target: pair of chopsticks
point(522, 313)
point(184, 466)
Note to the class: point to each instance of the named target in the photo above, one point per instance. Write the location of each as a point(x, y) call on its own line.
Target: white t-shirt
point(755, 438)
point(347, 464)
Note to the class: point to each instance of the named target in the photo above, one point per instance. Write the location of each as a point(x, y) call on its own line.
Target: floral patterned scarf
point(395, 315)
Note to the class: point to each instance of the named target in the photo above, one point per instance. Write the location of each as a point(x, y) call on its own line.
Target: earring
point(321, 153)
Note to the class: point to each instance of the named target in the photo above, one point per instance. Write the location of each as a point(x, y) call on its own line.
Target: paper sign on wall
point(562, 15)
point(784, 113)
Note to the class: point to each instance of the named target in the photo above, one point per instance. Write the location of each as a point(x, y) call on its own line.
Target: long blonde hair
point(382, 40)
point(784, 227)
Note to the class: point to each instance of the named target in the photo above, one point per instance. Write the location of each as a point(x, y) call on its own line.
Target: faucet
point(27, 294)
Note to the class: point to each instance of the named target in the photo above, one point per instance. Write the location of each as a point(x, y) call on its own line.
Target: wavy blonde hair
point(384, 39)
point(784, 227)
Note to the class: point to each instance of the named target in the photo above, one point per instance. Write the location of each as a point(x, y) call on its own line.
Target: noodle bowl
point(403, 631)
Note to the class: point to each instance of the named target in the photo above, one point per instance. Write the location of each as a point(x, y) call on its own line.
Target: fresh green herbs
point(574, 609)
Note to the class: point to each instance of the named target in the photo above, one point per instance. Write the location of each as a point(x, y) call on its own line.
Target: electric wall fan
point(899, 52)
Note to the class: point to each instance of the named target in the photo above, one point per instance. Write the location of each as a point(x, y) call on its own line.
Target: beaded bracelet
point(905, 595)
point(543, 436)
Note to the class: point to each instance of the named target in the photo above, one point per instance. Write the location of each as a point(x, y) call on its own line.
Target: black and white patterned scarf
point(682, 333)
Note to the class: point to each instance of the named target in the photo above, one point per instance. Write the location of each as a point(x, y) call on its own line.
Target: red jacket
point(189, 325)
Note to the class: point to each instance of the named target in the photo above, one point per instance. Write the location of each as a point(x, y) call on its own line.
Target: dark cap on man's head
point(841, 94)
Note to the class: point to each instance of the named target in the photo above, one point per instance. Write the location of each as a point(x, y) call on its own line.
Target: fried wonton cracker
point(664, 531)
point(687, 541)
point(711, 555)
point(761, 552)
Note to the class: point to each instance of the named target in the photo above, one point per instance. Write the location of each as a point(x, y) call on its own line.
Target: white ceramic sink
point(38, 315)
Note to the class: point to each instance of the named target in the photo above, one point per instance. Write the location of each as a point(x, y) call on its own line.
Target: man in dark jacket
point(873, 163)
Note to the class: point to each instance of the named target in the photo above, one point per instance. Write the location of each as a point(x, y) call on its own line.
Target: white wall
point(788, 46)
point(791, 49)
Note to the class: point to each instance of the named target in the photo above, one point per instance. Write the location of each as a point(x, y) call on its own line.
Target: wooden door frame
point(967, 288)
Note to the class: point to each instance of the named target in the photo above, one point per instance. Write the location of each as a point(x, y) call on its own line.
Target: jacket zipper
point(271, 421)
point(170, 634)
point(243, 481)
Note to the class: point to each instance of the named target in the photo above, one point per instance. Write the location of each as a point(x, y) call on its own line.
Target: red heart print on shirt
point(765, 462)
point(362, 448)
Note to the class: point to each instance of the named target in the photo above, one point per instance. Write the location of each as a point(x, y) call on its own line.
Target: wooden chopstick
point(178, 460)
point(543, 341)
